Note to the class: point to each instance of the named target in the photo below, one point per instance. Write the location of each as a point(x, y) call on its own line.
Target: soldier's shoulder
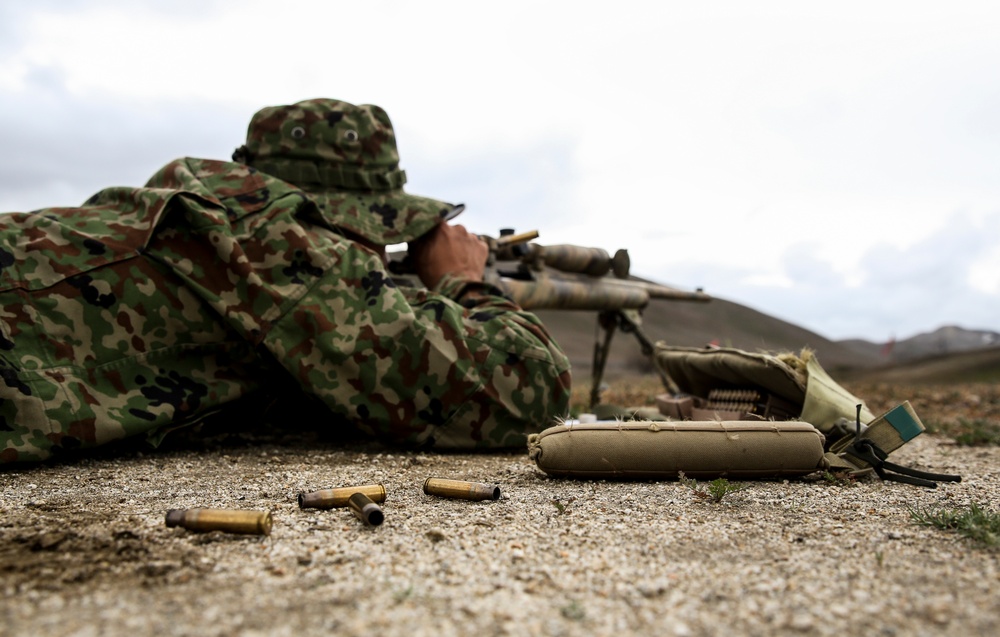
point(220, 178)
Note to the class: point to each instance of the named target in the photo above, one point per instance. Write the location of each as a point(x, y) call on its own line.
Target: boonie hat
point(345, 157)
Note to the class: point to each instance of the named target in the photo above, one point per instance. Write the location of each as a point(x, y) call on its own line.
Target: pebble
point(619, 558)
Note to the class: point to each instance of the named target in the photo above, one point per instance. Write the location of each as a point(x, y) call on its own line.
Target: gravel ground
point(84, 550)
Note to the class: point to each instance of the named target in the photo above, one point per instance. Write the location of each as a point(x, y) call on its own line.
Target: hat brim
point(384, 217)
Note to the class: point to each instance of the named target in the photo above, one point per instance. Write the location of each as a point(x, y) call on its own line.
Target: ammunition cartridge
point(461, 489)
point(365, 510)
point(228, 520)
point(507, 239)
point(338, 497)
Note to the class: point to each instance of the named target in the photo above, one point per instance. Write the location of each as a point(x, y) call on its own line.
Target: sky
point(834, 165)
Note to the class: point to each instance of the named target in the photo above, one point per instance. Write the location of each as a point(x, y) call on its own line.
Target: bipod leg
point(629, 321)
point(607, 321)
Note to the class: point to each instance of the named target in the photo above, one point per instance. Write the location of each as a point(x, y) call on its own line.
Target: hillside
point(949, 339)
point(949, 354)
point(975, 366)
point(695, 325)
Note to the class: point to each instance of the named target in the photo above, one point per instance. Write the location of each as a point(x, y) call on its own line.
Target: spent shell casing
point(338, 497)
point(461, 489)
point(228, 520)
point(365, 510)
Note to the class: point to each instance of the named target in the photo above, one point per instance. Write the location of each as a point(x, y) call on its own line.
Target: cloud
point(528, 188)
point(903, 290)
point(786, 155)
point(59, 148)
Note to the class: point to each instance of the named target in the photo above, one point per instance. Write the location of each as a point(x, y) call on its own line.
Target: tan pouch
point(797, 384)
point(649, 450)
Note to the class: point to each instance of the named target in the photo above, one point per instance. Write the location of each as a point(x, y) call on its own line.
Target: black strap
point(869, 452)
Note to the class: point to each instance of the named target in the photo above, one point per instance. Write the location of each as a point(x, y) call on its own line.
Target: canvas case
point(738, 415)
point(651, 450)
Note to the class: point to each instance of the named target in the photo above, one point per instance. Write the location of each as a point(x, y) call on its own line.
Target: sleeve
point(457, 367)
point(100, 340)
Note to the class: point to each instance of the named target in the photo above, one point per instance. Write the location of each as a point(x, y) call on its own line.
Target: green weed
point(716, 491)
point(839, 479)
point(562, 507)
point(967, 433)
point(975, 523)
point(574, 611)
point(978, 433)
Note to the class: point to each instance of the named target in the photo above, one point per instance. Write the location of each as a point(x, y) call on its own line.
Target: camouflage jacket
point(149, 308)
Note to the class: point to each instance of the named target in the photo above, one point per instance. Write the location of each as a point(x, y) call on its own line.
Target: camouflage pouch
point(731, 384)
point(726, 384)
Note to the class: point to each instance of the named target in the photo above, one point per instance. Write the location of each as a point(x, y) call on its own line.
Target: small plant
point(573, 611)
point(720, 488)
point(967, 433)
point(975, 522)
point(839, 479)
point(560, 506)
point(978, 433)
point(717, 489)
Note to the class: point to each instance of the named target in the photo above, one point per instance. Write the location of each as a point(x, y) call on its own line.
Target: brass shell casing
point(338, 497)
point(461, 489)
point(365, 510)
point(228, 520)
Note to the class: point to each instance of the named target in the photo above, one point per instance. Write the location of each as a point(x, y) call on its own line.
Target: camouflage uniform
point(149, 308)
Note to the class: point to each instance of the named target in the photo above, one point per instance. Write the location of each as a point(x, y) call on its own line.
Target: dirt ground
point(84, 549)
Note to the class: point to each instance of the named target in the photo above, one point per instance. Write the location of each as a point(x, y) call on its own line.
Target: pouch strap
point(869, 452)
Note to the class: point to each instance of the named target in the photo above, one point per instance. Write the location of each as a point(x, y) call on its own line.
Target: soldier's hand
point(448, 250)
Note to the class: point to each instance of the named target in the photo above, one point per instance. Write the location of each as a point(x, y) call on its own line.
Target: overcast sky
point(832, 164)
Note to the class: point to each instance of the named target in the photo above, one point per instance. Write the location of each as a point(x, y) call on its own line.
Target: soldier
point(149, 308)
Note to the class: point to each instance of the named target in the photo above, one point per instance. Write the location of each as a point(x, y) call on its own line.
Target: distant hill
point(973, 366)
point(689, 324)
point(949, 352)
point(949, 339)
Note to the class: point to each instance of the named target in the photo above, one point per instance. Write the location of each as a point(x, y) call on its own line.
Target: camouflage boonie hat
point(345, 157)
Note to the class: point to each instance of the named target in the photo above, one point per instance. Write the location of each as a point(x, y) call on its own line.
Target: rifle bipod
point(629, 322)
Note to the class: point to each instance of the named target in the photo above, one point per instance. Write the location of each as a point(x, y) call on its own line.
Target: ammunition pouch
point(730, 384)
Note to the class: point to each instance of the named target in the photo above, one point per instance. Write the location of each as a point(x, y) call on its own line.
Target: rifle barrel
point(657, 291)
